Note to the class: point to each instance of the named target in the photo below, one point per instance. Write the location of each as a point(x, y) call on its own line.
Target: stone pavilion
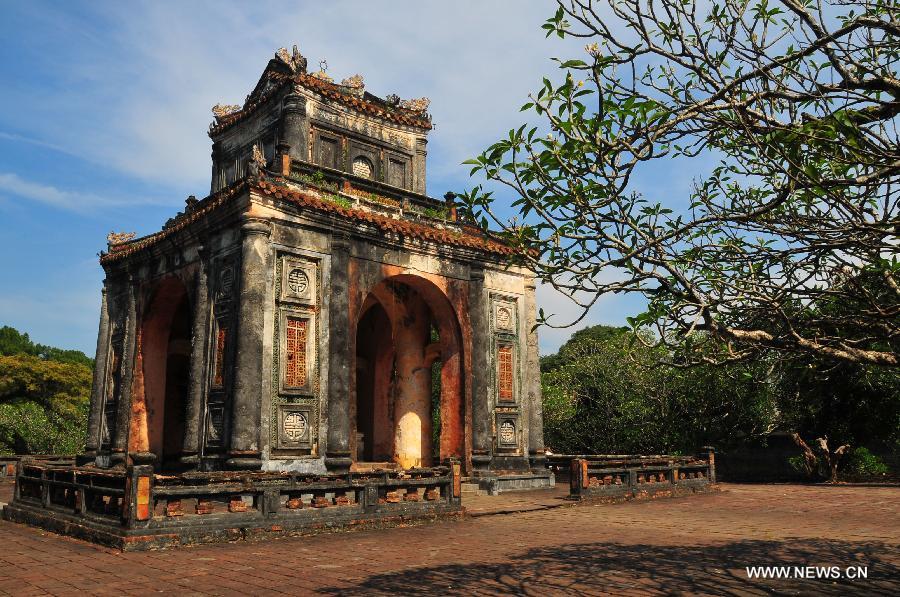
point(317, 311)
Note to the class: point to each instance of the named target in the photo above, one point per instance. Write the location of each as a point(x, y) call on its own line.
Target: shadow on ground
point(613, 568)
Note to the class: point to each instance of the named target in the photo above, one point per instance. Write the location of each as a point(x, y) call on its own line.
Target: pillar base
point(117, 459)
point(190, 459)
point(338, 462)
point(89, 457)
point(244, 461)
point(481, 462)
point(538, 461)
point(144, 458)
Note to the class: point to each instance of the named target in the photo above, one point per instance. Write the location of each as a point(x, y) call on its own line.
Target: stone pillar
point(98, 389)
point(337, 449)
point(295, 126)
point(244, 452)
point(190, 453)
point(129, 351)
point(419, 165)
point(537, 458)
point(481, 367)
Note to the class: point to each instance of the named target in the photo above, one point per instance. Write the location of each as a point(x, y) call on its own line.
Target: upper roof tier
point(310, 118)
point(286, 68)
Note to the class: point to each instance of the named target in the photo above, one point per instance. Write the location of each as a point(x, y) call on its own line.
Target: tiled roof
point(120, 251)
point(472, 240)
point(376, 108)
point(385, 223)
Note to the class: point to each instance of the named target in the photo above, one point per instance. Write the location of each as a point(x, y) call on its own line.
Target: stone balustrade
point(134, 508)
point(630, 477)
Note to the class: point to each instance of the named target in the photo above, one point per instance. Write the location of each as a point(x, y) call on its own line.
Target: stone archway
point(161, 377)
point(395, 350)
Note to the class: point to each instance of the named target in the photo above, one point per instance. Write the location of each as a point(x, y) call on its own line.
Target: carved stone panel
point(504, 316)
point(507, 431)
point(295, 423)
point(215, 425)
point(225, 285)
point(299, 278)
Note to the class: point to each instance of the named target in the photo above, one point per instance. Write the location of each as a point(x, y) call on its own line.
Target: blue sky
point(105, 107)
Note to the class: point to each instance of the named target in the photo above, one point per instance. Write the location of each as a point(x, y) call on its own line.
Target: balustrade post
point(138, 499)
point(17, 488)
point(711, 473)
point(45, 489)
point(456, 481)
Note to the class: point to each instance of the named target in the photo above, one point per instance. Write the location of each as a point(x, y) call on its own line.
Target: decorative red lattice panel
point(505, 372)
point(295, 367)
point(219, 371)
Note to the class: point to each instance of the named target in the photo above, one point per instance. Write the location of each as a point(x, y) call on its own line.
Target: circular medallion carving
point(507, 432)
point(504, 317)
point(362, 167)
point(298, 281)
point(294, 425)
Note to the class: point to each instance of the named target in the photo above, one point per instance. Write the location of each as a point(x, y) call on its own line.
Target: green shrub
point(605, 394)
point(863, 463)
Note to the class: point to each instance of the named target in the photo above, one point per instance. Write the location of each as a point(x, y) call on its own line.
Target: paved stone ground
point(695, 545)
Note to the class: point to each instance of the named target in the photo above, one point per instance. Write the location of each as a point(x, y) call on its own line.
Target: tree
point(43, 405)
point(14, 342)
point(44, 396)
point(795, 101)
point(604, 394)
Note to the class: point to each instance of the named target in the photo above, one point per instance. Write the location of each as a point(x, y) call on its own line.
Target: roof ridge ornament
point(355, 85)
point(118, 238)
point(220, 111)
point(294, 61)
point(416, 105)
point(321, 74)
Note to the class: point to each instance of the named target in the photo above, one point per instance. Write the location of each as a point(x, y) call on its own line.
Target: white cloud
point(69, 200)
point(609, 310)
point(135, 92)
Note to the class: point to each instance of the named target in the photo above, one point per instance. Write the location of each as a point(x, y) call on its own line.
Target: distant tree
point(44, 396)
point(605, 394)
point(13, 342)
point(43, 405)
point(796, 102)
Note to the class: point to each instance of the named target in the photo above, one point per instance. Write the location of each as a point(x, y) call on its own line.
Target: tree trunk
point(810, 460)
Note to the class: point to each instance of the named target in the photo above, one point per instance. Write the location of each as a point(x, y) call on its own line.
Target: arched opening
point(374, 386)
point(162, 376)
point(409, 385)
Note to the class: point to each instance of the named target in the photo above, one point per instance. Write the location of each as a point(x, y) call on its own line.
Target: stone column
point(244, 452)
point(190, 453)
point(129, 351)
point(537, 458)
point(419, 165)
point(295, 126)
point(481, 367)
point(337, 449)
point(98, 388)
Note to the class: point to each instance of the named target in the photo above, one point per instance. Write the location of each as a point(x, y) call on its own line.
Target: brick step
point(368, 467)
point(472, 489)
